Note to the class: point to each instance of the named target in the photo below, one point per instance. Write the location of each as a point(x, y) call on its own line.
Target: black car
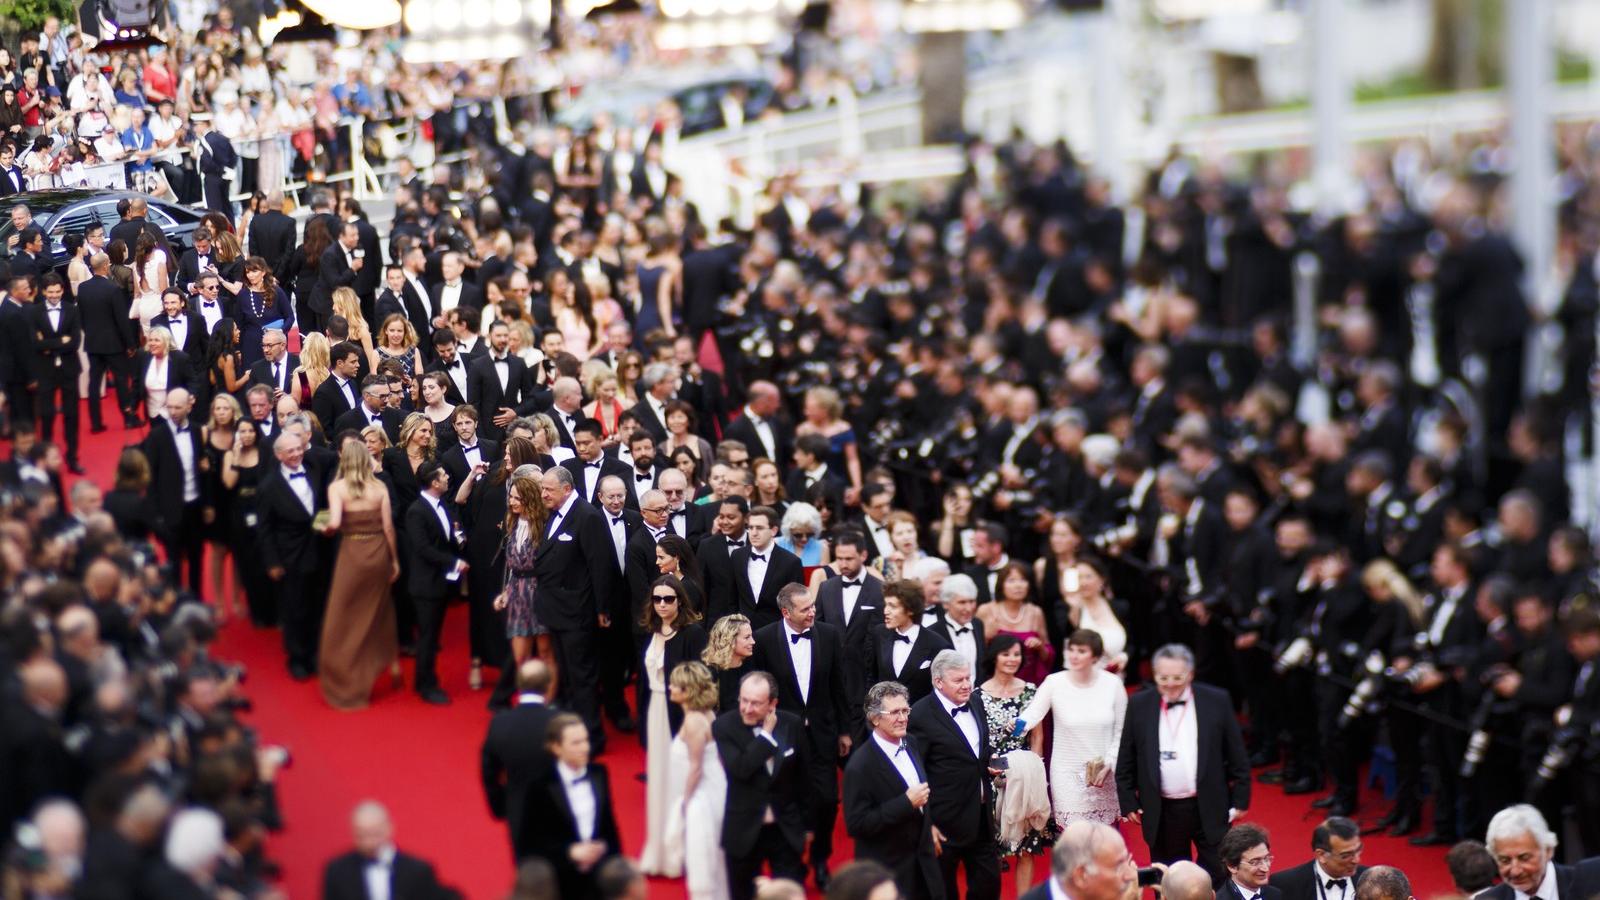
point(60, 211)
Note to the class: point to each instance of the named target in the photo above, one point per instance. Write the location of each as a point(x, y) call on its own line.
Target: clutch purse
point(1093, 769)
point(319, 521)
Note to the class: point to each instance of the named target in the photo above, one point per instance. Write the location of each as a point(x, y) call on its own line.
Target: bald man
point(376, 857)
point(1186, 881)
point(1090, 862)
point(181, 489)
point(514, 755)
point(759, 426)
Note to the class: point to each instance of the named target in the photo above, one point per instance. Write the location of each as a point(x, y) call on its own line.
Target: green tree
point(20, 16)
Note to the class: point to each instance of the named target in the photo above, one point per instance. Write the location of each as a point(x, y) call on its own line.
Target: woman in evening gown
point(524, 529)
point(359, 636)
point(1087, 704)
point(1013, 612)
point(1024, 825)
point(695, 829)
point(675, 637)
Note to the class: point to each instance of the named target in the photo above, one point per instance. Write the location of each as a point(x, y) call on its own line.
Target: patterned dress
point(520, 551)
point(1000, 713)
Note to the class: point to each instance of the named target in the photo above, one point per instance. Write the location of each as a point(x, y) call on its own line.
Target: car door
point(75, 219)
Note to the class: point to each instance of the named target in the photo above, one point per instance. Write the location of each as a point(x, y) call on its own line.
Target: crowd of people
point(833, 512)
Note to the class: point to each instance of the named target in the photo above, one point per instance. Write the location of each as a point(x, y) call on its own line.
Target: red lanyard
point(1172, 735)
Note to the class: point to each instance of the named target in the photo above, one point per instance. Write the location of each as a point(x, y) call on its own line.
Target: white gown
point(696, 828)
point(147, 304)
point(1112, 635)
point(1088, 724)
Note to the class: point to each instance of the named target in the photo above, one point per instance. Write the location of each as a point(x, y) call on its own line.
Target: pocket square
point(564, 537)
point(788, 753)
point(925, 663)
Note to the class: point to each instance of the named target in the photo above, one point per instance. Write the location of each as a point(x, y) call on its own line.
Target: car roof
point(52, 199)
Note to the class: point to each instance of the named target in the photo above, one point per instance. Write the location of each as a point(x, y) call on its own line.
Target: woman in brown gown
point(359, 637)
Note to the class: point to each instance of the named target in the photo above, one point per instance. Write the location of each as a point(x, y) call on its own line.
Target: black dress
point(728, 686)
point(241, 526)
point(223, 499)
point(133, 513)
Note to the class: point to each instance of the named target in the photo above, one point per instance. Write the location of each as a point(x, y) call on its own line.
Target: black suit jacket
point(958, 778)
point(684, 646)
point(487, 396)
point(103, 309)
point(1300, 883)
point(741, 429)
point(864, 622)
point(884, 824)
point(410, 878)
point(179, 373)
point(329, 402)
point(166, 470)
point(752, 789)
point(826, 711)
point(56, 346)
point(356, 420)
point(454, 461)
point(195, 336)
point(452, 393)
point(947, 630)
point(261, 373)
point(575, 565)
point(649, 421)
point(513, 760)
point(471, 295)
point(917, 675)
point(716, 563)
point(334, 272)
point(783, 568)
point(639, 571)
point(550, 829)
point(608, 466)
point(1232, 891)
point(432, 553)
point(284, 534)
point(1222, 771)
point(272, 237)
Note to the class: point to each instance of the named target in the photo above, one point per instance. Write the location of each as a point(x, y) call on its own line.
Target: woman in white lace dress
point(1087, 704)
point(695, 832)
point(149, 280)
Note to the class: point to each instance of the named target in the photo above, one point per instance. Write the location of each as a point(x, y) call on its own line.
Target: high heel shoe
point(475, 677)
point(397, 676)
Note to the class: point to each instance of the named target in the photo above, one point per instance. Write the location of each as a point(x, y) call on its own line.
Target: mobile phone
point(1069, 581)
point(1150, 876)
point(1000, 763)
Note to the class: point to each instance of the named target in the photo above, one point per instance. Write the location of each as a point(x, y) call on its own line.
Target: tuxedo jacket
point(741, 429)
point(885, 826)
point(958, 778)
point(329, 402)
point(103, 310)
point(272, 237)
point(454, 461)
point(166, 469)
point(549, 829)
point(697, 519)
point(649, 421)
point(857, 633)
point(716, 563)
point(485, 393)
point(261, 373)
point(195, 338)
point(471, 295)
point(283, 532)
point(334, 272)
point(410, 878)
point(947, 630)
point(179, 373)
point(825, 711)
point(189, 267)
point(357, 420)
point(761, 608)
point(608, 466)
point(56, 346)
point(12, 181)
point(917, 673)
point(512, 761)
point(796, 489)
point(432, 553)
point(1300, 883)
point(1232, 891)
point(413, 306)
point(752, 789)
point(639, 572)
point(575, 566)
point(1222, 772)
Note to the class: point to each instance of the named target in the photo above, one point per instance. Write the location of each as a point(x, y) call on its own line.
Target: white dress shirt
point(301, 487)
point(965, 641)
point(347, 389)
point(580, 797)
point(179, 326)
point(900, 758)
point(963, 719)
point(880, 538)
point(678, 522)
point(902, 649)
point(756, 569)
point(619, 536)
point(555, 520)
point(1449, 600)
point(502, 369)
point(191, 474)
point(211, 311)
point(458, 374)
point(444, 518)
point(850, 594)
point(379, 874)
point(1180, 748)
point(422, 292)
point(763, 429)
point(800, 657)
point(1548, 889)
point(1344, 891)
point(591, 475)
point(473, 454)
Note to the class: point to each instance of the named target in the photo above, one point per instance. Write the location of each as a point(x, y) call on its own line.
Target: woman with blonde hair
point(216, 441)
point(526, 517)
point(698, 783)
point(605, 408)
point(346, 303)
point(359, 636)
point(1397, 617)
point(728, 650)
point(397, 340)
point(315, 366)
point(547, 440)
point(824, 415)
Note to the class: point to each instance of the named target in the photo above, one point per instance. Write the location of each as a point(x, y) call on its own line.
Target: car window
point(161, 217)
point(78, 218)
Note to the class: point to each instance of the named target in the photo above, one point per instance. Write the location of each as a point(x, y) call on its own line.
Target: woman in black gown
point(240, 472)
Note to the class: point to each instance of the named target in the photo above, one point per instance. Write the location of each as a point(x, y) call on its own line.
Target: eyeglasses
point(653, 510)
point(672, 493)
point(1260, 862)
point(664, 599)
point(1350, 855)
point(802, 535)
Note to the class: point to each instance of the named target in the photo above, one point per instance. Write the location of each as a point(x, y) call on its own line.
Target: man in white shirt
point(376, 869)
point(1090, 862)
point(953, 737)
point(931, 572)
point(959, 596)
point(886, 794)
point(1524, 849)
point(581, 819)
point(1246, 853)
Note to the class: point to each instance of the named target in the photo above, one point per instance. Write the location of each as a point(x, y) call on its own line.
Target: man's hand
point(1197, 611)
point(1507, 684)
point(1247, 640)
point(918, 795)
point(938, 841)
point(505, 416)
point(844, 745)
point(771, 721)
point(1134, 817)
point(605, 620)
point(586, 854)
point(275, 573)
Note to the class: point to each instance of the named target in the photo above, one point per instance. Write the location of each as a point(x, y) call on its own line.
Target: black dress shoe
point(298, 672)
point(97, 429)
point(625, 724)
point(1390, 817)
point(1262, 758)
point(74, 468)
point(1302, 786)
point(820, 874)
point(1271, 776)
point(1403, 826)
point(1342, 809)
point(435, 697)
point(1433, 839)
point(1323, 802)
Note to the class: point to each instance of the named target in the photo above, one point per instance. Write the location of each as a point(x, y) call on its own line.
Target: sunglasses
point(662, 599)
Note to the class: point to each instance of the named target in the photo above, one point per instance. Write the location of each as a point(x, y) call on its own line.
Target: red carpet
point(422, 761)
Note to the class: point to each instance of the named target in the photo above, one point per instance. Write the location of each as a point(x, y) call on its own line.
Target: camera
point(1478, 743)
point(1119, 536)
point(1563, 746)
point(1412, 676)
point(1366, 696)
point(1150, 876)
point(1296, 654)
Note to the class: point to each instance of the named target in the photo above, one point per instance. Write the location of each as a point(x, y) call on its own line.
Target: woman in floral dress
point(525, 522)
point(1005, 696)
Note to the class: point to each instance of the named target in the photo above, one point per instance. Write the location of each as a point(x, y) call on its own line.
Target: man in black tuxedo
point(591, 465)
point(1168, 733)
point(111, 339)
point(763, 752)
point(960, 624)
point(340, 266)
point(29, 258)
point(400, 297)
point(454, 290)
point(409, 878)
point(180, 485)
point(367, 240)
point(272, 232)
point(989, 559)
point(689, 521)
point(194, 261)
point(904, 650)
point(1246, 853)
point(469, 449)
point(761, 569)
point(852, 601)
point(566, 408)
point(658, 383)
point(576, 595)
point(1524, 848)
point(448, 359)
point(336, 395)
point(137, 222)
point(758, 425)
point(569, 818)
point(57, 334)
point(886, 795)
point(276, 363)
point(497, 384)
point(1089, 862)
point(643, 468)
point(16, 362)
point(289, 497)
point(807, 658)
point(514, 756)
point(715, 553)
point(952, 735)
point(639, 557)
point(617, 639)
point(1334, 868)
point(373, 410)
point(433, 543)
point(189, 333)
point(811, 469)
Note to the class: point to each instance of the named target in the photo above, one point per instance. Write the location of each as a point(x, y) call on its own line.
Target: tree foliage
point(28, 15)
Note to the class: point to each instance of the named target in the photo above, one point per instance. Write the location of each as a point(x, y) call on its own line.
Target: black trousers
point(19, 401)
point(430, 621)
point(66, 387)
point(616, 658)
point(580, 677)
point(300, 611)
point(215, 192)
point(120, 367)
point(822, 806)
point(772, 849)
point(1446, 746)
point(982, 861)
point(184, 541)
point(1343, 749)
point(1405, 740)
point(1180, 827)
point(1300, 720)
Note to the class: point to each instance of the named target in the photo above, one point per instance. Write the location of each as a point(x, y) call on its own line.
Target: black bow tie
point(758, 556)
point(501, 360)
point(1336, 883)
point(958, 711)
point(294, 475)
point(592, 465)
point(1171, 703)
point(965, 629)
point(795, 638)
point(680, 512)
point(852, 582)
point(644, 477)
point(468, 448)
point(181, 429)
point(581, 778)
point(175, 320)
point(208, 304)
point(616, 520)
point(902, 637)
point(735, 545)
point(453, 364)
